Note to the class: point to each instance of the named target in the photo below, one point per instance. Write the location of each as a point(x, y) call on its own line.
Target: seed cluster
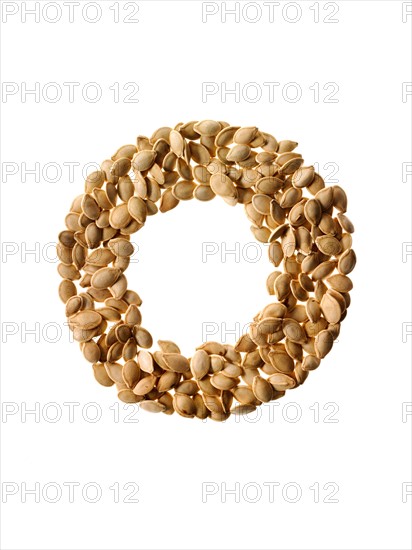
point(286, 340)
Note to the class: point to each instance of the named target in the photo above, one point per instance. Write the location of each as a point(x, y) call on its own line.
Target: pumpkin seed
point(347, 262)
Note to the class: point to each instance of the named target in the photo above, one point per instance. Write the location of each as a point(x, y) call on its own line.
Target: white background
point(366, 452)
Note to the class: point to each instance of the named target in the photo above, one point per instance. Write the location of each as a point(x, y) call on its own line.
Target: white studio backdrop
point(327, 467)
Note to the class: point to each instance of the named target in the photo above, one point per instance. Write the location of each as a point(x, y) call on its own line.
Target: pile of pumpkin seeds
point(310, 236)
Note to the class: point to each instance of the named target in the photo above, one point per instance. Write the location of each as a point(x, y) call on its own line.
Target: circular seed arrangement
point(310, 236)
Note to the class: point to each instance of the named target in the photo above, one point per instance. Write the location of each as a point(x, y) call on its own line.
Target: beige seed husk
point(126, 151)
point(245, 135)
point(262, 203)
point(238, 153)
point(145, 361)
point(310, 362)
point(202, 411)
point(282, 286)
point(184, 405)
point(261, 234)
point(339, 198)
point(183, 190)
point(133, 315)
point(67, 289)
point(68, 272)
point(167, 346)
point(341, 283)
point(73, 305)
point(152, 406)
point(145, 385)
point(262, 389)
point(187, 130)
point(207, 127)
point(281, 382)
point(177, 143)
point(200, 364)
point(131, 373)
point(243, 410)
point(143, 338)
point(222, 185)
point(119, 217)
point(168, 380)
point(121, 166)
point(345, 222)
point(176, 362)
point(87, 319)
point(281, 361)
point(206, 387)
point(303, 177)
point(313, 211)
point(244, 395)
point(329, 245)
point(91, 352)
point(167, 400)
point(278, 232)
point(137, 209)
point(121, 247)
point(204, 193)
point(93, 180)
point(199, 153)
point(168, 201)
point(143, 160)
point(347, 262)
point(225, 136)
point(293, 330)
point(101, 375)
point(222, 382)
point(323, 270)
point(323, 343)
point(313, 310)
point(114, 371)
point(330, 308)
point(289, 243)
point(101, 257)
point(105, 277)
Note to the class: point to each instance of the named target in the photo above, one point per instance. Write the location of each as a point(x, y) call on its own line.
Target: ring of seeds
point(309, 235)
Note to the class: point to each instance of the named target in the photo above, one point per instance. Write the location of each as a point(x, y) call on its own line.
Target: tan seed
point(152, 406)
point(222, 185)
point(145, 385)
point(262, 389)
point(176, 362)
point(347, 262)
point(105, 277)
point(184, 405)
point(200, 364)
point(143, 160)
point(341, 283)
point(282, 382)
point(330, 308)
point(67, 289)
point(329, 245)
point(323, 343)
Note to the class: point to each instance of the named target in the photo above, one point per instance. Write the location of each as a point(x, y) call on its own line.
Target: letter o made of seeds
point(288, 206)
